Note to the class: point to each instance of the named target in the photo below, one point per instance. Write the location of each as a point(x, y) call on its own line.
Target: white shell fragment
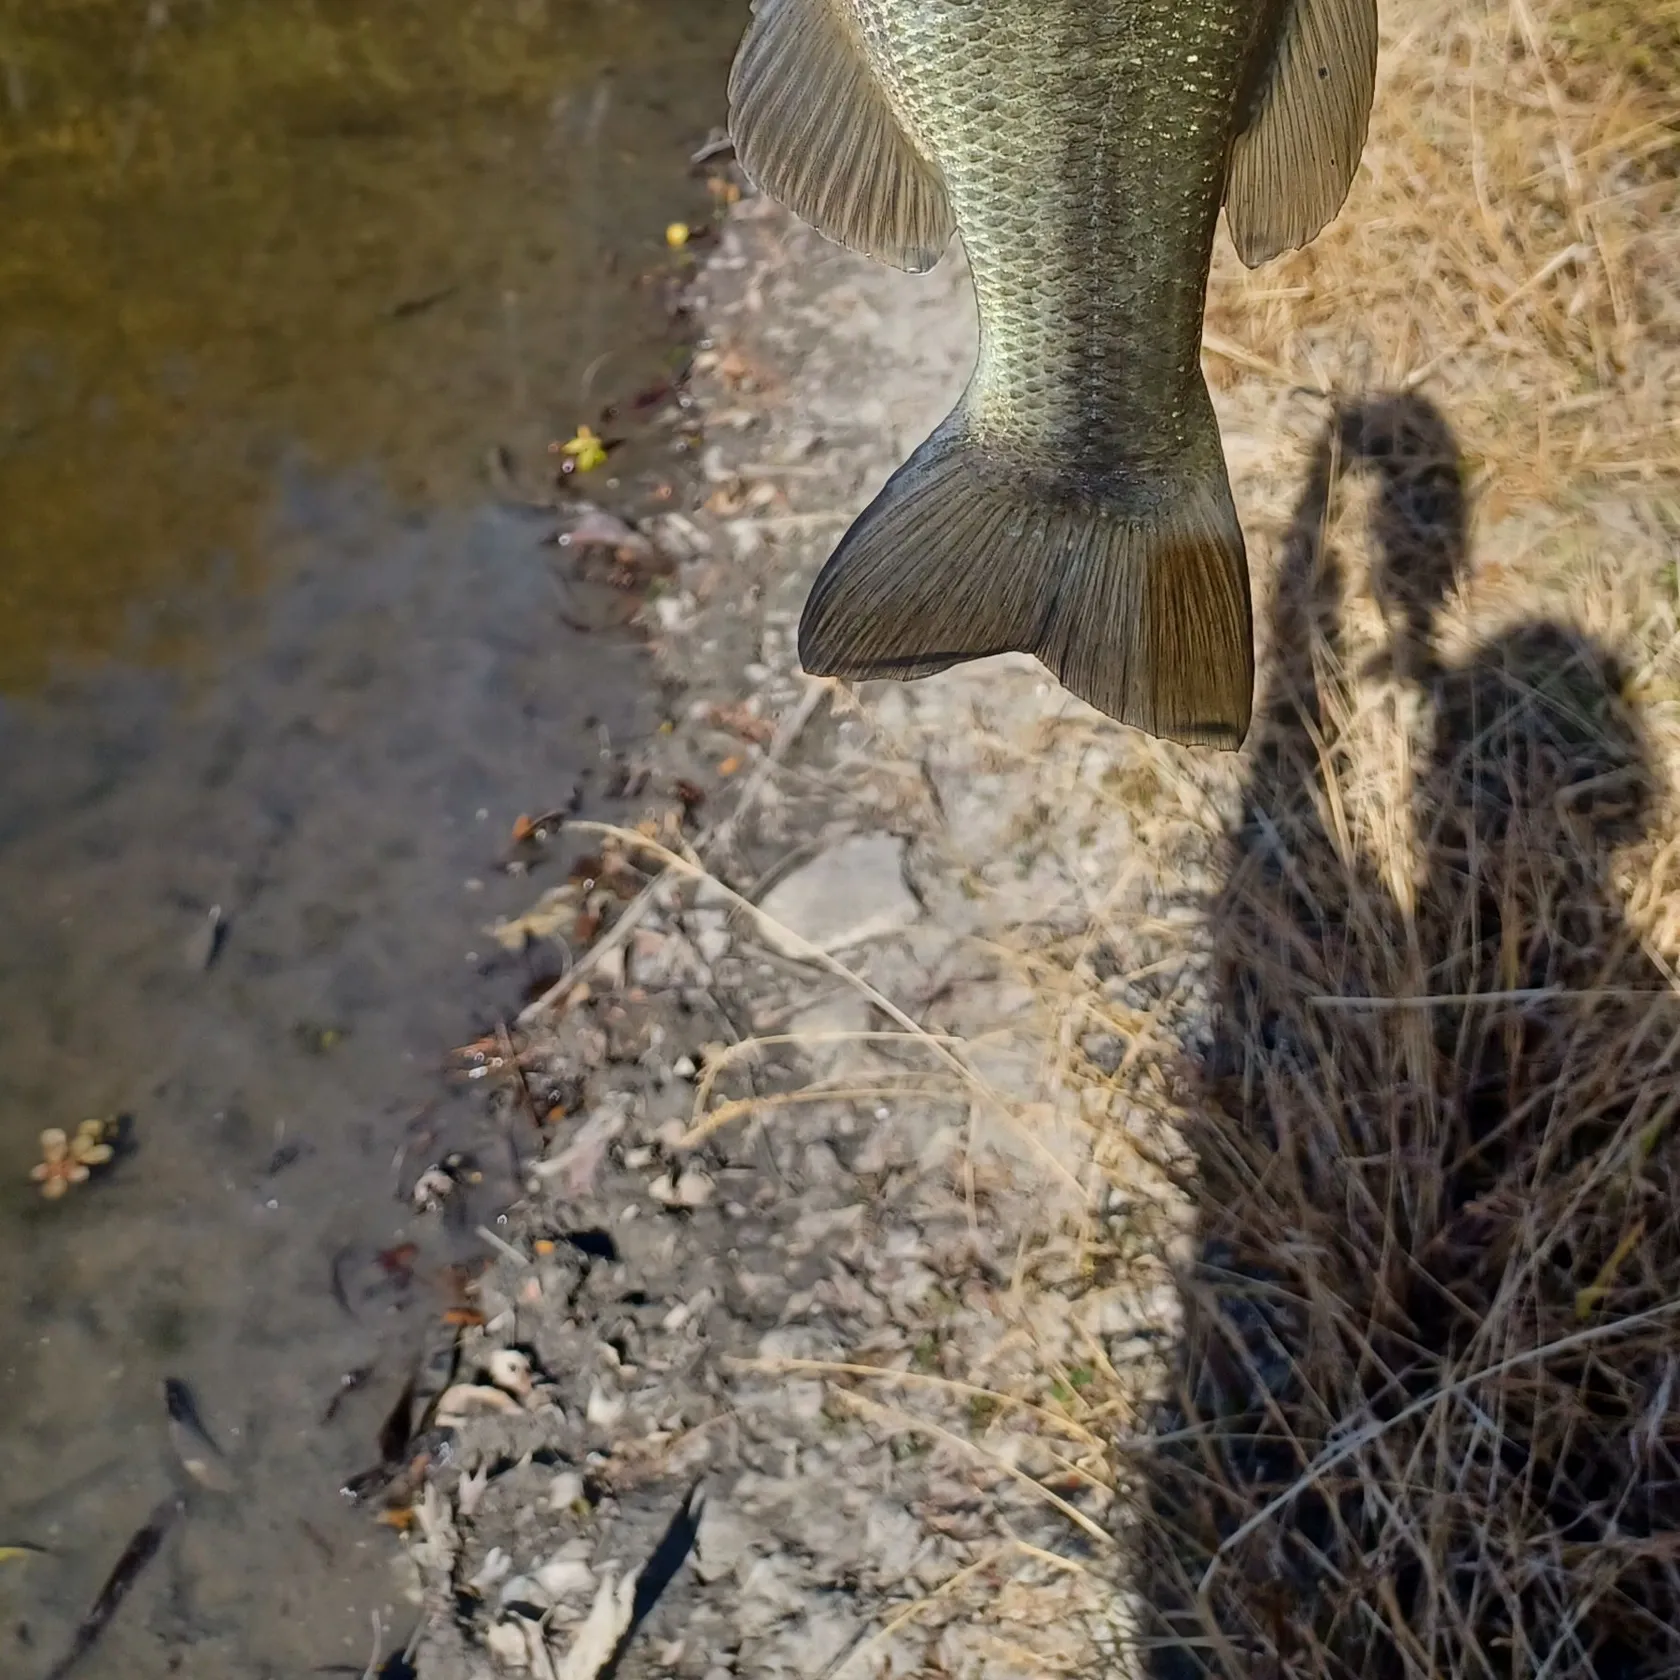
point(605, 1408)
point(511, 1370)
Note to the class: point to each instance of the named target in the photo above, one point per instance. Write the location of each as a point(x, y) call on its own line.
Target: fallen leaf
point(584, 451)
point(142, 1547)
point(398, 1262)
point(730, 765)
point(743, 721)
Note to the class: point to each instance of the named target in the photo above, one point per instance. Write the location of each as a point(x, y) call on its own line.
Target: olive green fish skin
point(1075, 505)
point(1083, 145)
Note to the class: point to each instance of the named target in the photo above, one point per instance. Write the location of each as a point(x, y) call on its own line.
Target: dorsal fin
point(814, 129)
point(1293, 163)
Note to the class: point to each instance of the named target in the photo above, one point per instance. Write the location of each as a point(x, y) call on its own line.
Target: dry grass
point(1509, 241)
point(1424, 1419)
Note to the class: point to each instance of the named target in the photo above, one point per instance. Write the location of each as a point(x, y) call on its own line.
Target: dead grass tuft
point(1424, 1415)
point(1425, 1419)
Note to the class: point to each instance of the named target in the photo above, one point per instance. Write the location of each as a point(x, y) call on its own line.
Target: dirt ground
point(855, 1255)
point(813, 1130)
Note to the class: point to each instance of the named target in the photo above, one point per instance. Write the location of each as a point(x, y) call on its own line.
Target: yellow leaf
point(676, 235)
point(585, 451)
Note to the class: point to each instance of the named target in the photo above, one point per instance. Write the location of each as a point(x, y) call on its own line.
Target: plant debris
point(582, 452)
point(71, 1159)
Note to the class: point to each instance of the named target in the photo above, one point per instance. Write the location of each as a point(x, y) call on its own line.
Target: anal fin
point(1293, 163)
point(814, 128)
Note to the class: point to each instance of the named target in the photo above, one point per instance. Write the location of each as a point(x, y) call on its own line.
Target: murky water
point(276, 276)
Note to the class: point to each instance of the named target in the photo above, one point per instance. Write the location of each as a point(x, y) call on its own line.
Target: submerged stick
point(142, 1548)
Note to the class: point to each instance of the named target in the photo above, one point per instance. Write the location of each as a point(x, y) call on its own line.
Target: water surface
point(277, 279)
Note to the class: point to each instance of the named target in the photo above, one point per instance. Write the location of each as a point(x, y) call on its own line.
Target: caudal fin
point(1136, 596)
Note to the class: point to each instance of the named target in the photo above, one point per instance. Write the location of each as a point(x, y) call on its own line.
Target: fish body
point(1075, 505)
point(200, 1457)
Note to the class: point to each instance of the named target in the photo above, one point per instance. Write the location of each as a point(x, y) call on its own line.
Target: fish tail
point(1131, 587)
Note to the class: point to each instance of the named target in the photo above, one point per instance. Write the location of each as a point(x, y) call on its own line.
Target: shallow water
point(277, 276)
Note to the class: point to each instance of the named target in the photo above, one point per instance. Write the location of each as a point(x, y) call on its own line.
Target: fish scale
point(1075, 505)
point(1090, 274)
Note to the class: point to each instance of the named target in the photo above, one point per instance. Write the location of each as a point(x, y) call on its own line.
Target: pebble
point(565, 1577)
point(565, 1490)
point(507, 1645)
point(850, 894)
point(510, 1369)
point(605, 1408)
point(691, 1188)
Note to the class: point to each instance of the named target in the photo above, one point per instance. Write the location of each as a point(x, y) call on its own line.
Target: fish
point(200, 1457)
point(1075, 504)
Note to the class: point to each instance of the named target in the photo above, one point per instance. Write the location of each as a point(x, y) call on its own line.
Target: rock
point(820, 1028)
point(691, 1188)
point(564, 1577)
point(523, 1589)
point(565, 1490)
point(852, 893)
point(507, 1645)
point(510, 1369)
point(812, 1644)
point(465, 1400)
point(724, 1540)
point(772, 1590)
point(805, 1400)
point(892, 1538)
point(710, 929)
